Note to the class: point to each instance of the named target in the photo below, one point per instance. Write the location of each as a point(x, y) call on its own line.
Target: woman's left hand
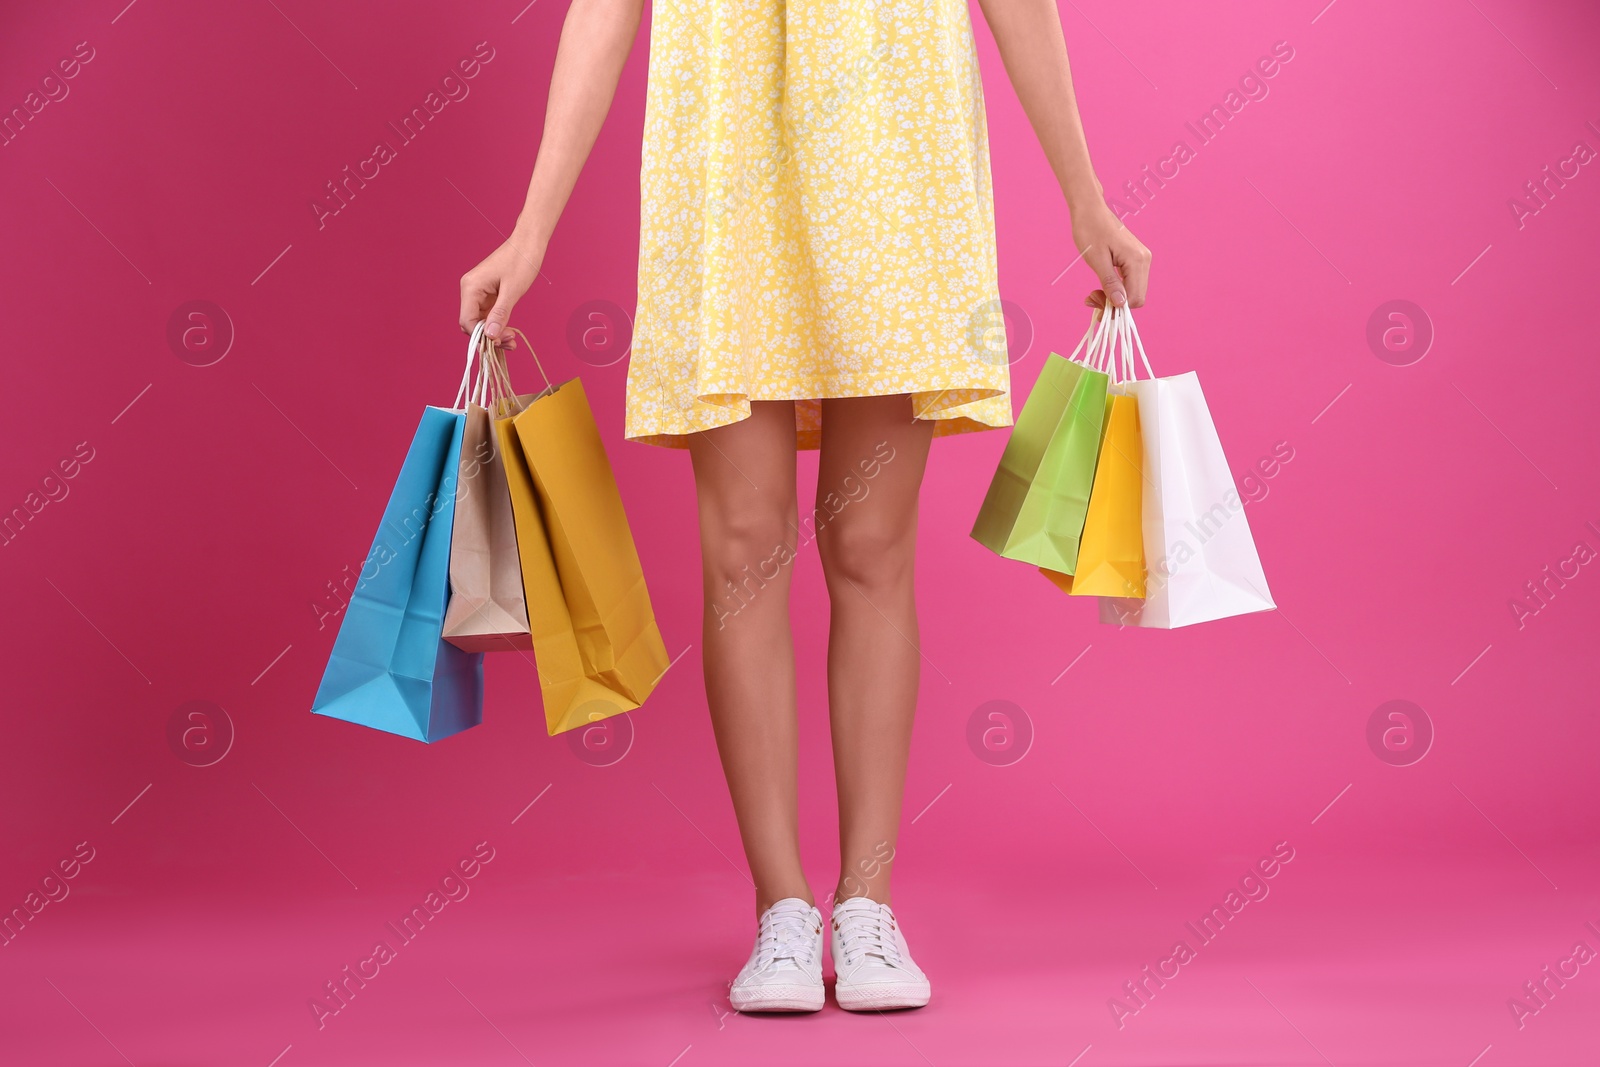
point(1115, 255)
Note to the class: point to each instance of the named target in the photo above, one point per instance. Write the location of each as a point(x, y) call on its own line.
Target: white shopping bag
point(1200, 559)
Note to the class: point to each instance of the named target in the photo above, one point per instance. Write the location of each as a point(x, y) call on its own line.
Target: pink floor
point(1336, 965)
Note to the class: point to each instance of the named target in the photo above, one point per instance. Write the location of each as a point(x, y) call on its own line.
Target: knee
point(869, 553)
point(746, 547)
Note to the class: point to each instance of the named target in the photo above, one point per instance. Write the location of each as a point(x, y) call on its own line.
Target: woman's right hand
point(492, 288)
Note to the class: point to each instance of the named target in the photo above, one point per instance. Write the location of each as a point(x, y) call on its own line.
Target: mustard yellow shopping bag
point(1111, 558)
point(595, 640)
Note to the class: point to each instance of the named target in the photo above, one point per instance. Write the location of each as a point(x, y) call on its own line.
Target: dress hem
point(726, 409)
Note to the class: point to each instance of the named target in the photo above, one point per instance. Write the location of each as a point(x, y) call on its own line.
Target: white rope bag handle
point(473, 346)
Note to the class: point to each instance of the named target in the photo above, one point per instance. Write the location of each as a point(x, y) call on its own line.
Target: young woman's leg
point(745, 482)
point(869, 474)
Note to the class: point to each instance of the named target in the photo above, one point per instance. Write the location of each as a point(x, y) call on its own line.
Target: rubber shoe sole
point(778, 998)
point(881, 996)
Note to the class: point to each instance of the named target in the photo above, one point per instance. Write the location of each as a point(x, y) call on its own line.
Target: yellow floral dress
point(817, 218)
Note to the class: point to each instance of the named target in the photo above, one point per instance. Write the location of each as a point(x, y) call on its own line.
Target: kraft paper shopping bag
point(596, 642)
point(1036, 503)
point(390, 667)
point(487, 610)
point(1201, 559)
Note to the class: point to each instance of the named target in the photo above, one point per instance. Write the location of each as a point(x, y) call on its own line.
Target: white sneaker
point(784, 972)
point(870, 958)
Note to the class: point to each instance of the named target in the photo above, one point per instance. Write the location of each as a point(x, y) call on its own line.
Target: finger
point(1096, 300)
point(1136, 271)
point(500, 315)
point(473, 298)
point(1100, 262)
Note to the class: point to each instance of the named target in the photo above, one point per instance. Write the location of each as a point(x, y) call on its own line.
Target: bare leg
point(745, 482)
point(869, 474)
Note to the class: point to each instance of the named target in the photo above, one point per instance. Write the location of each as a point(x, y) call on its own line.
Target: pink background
point(184, 559)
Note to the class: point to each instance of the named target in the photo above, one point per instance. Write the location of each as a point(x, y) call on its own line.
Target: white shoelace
point(787, 938)
point(866, 928)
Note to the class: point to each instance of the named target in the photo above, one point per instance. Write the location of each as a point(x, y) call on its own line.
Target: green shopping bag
point(1036, 504)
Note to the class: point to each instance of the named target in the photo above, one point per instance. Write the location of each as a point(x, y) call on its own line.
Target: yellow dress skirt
point(817, 217)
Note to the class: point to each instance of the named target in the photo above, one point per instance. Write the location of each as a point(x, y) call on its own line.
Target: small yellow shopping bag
point(1111, 556)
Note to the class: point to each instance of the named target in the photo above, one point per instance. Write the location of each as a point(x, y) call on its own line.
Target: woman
point(816, 270)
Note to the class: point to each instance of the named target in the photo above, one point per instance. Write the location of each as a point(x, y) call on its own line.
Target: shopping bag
point(1036, 503)
point(596, 643)
point(487, 610)
point(1111, 558)
point(1201, 559)
point(390, 667)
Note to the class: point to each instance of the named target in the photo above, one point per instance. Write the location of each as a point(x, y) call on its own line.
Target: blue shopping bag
point(390, 668)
